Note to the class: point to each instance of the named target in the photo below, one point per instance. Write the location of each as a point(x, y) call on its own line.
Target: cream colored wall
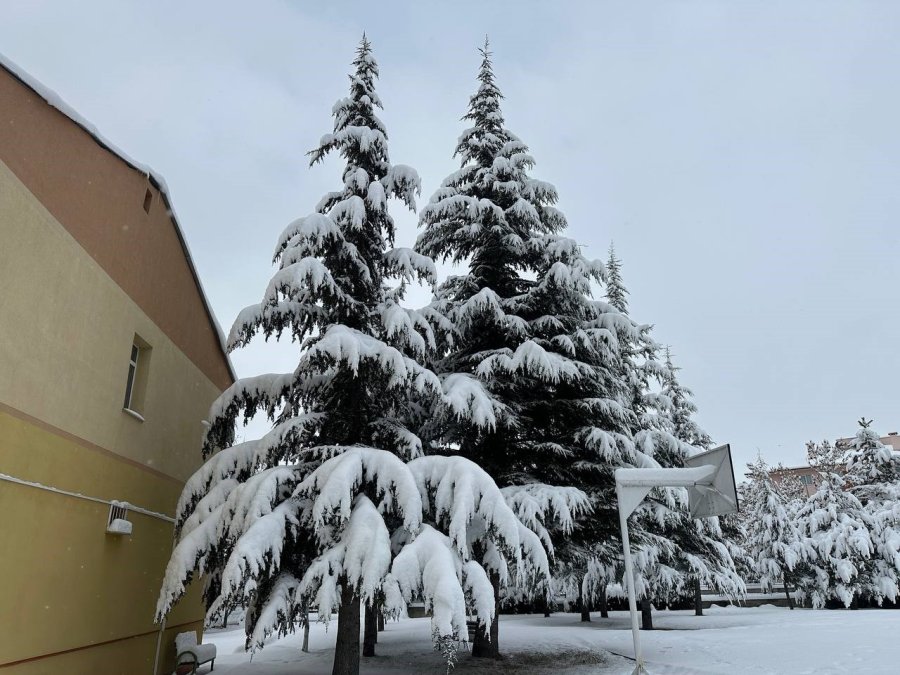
point(68, 589)
point(134, 656)
point(67, 584)
point(66, 331)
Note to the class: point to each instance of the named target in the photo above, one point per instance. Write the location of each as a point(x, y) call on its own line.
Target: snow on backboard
point(720, 498)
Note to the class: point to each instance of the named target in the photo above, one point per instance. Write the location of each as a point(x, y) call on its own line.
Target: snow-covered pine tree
point(638, 353)
point(734, 536)
point(616, 293)
point(826, 457)
point(682, 408)
point(836, 528)
point(873, 476)
point(773, 541)
point(306, 514)
point(873, 469)
point(522, 319)
point(675, 551)
point(698, 540)
point(790, 487)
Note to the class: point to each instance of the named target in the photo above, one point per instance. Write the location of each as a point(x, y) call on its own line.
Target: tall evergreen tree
point(616, 293)
point(312, 513)
point(773, 540)
point(524, 323)
point(675, 551)
point(682, 408)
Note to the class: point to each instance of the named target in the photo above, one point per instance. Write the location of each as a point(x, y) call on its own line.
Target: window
point(132, 371)
point(148, 199)
point(136, 381)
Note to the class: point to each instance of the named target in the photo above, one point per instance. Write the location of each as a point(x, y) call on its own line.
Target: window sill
point(134, 414)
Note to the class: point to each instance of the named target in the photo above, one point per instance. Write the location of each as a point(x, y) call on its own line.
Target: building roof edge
point(55, 101)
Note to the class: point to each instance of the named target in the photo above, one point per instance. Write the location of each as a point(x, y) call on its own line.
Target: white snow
point(726, 641)
point(529, 357)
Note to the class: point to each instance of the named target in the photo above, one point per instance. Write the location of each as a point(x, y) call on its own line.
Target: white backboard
point(720, 498)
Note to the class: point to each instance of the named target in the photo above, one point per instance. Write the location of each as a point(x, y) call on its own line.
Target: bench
point(192, 654)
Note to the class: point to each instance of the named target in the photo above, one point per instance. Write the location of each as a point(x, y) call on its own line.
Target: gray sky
point(743, 157)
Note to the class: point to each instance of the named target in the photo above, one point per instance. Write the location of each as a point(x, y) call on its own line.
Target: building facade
point(109, 359)
point(809, 476)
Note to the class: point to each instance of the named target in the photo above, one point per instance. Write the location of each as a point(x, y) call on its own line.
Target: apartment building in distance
point(109, 359)
point(809, 476)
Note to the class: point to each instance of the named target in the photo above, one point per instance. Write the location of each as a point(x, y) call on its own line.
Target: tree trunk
point(370, 632)
point(646, 614)
point(488, 646)
point(346, 649)
point(583, 607)
point(546, 606)
point(698, 598)
point(380, 621)
point(604, 608)
point(305, 647)
point(585, 613)
point(788, 593)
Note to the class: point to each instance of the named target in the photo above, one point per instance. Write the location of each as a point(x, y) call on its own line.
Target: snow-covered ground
point(726, 641)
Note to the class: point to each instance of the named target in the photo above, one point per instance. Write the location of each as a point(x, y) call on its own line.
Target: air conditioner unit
point(118, 522)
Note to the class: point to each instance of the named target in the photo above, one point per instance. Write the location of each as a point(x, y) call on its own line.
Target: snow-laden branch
point(408, 327)
point(532, 359)
point(407, 264)
point(464, 500)
point(341, 344)
point(331, 487)
point(360, 557)
point(430, 566)
point(539, 506)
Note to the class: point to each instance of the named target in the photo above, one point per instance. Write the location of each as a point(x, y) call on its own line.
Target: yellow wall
point(66, 331)
point(124, 657)
point(70, 584)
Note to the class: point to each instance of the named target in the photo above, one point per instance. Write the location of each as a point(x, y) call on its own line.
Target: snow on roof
point(54, 100)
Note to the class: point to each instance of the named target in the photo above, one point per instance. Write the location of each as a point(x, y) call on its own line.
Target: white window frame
point(132, 375)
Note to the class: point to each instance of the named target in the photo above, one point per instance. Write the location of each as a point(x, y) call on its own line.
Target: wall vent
point(118, 522)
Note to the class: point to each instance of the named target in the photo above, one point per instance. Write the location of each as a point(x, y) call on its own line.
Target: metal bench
point(192, 654)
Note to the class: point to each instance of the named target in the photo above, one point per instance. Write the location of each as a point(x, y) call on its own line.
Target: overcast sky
point(744, 158)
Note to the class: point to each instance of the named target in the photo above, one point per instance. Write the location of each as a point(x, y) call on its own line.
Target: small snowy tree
point(826, 457)
point(773, 541)
point(873, 476)
point(790, 487)
point(873, 470)
point(839, 544)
